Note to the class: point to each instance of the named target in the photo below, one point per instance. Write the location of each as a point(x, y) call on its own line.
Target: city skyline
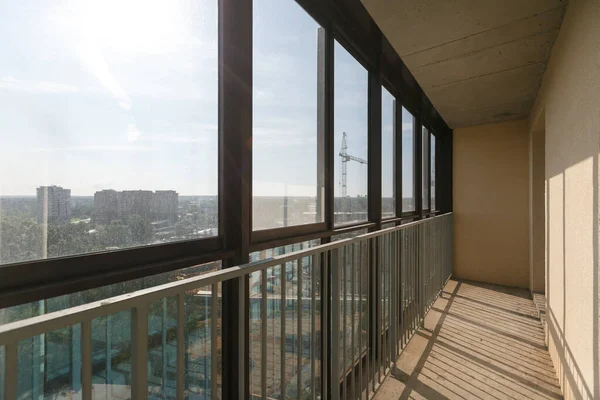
point(30, 195)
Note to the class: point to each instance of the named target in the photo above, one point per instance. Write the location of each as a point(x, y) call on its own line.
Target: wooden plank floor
point(479, 341)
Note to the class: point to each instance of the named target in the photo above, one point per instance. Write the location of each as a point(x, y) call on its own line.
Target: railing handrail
point(29, 327)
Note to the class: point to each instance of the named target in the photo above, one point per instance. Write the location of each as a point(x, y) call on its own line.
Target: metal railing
point(327, 322)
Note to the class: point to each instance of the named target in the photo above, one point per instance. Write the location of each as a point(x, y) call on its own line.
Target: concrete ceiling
point(478, 61)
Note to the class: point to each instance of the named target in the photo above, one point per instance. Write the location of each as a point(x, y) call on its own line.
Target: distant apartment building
point(111, 205)
point(53, 205)
point(106, 206)
point(165, 204)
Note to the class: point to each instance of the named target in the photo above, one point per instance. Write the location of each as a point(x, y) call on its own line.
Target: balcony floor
point(478, 341)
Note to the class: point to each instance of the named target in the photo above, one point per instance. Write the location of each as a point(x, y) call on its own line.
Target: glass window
point(432, 169)
point(425, 168)
point(285, 178)
point(349, 235)
point(115, 106)
point(408, 161)
point(388, 152)
point(302, 285)
point(57, 354)
point(350, 138)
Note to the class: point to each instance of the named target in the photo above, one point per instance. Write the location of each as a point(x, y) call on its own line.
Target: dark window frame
point(343, 20)
point(433, 209)
point(397, 161)
point(425, 168)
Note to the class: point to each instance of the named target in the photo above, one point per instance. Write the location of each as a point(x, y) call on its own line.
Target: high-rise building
point(165, 204)
point(136, 202)
point(53, 204)
point(106, 206)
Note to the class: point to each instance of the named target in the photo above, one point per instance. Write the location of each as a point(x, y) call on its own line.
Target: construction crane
point(345, 159)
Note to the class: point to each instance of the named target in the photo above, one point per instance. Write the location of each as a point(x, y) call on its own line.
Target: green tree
point(115, 234)
point(140, 228)
point(20, 238)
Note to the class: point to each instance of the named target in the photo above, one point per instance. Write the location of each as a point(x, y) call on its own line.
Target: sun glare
point(132, 26)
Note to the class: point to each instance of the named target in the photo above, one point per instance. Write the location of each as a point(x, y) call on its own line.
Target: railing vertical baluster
point(401, 267)
point(108, 352)
point(86, 359)
point(164, 346)
point(421, 275)
point(263, 335)
point(335, 324)
point(299, 277)
point(325, 326)
point(413, 287)
point(344, 276)
point(205, 339)
point(393, 297)
point(214, 311)
point(370, 307)
point(283, 323)
point(11, 370)
point(384, 328)
point(313, 328)
point(409, 254)
point(418, 278)
point(378, 296)
point(399, 292)
point(360, 320)
point(426, 263)
point(139, 342)
point(391, 330)
point(353, 311)
point(425, 271)
point(180, 345)
point(386, 302)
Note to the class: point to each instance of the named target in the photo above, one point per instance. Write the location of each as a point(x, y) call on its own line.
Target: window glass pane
point(408, 161)
point(285, 178)
point(115, 103)
point(57, 354)
point(349, 235)
point(432, 168)
point(388, 148)
point(302, 324)
point(425, 168)
point(350, 141)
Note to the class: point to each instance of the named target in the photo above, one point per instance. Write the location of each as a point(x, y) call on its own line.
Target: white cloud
point(133, 133)
point(11, 83)
point(93, 60)
point(99, 148)
point(175, 139)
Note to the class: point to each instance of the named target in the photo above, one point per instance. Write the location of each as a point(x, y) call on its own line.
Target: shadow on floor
point(479, 341)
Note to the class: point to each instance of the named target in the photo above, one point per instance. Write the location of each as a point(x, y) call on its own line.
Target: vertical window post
point(428, 169)
point(418, 165)
point(235, 163)
point(374, 147)
point(325, 151)
point(398, 157)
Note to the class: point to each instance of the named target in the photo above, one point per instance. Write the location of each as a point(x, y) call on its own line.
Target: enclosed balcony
point(299, 199)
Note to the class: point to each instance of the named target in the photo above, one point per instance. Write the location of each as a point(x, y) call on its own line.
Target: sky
point(122, 94)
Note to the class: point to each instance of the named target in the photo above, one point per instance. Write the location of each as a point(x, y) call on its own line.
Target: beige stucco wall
point(491, 203)
point(537, 213)
point(569, 100)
